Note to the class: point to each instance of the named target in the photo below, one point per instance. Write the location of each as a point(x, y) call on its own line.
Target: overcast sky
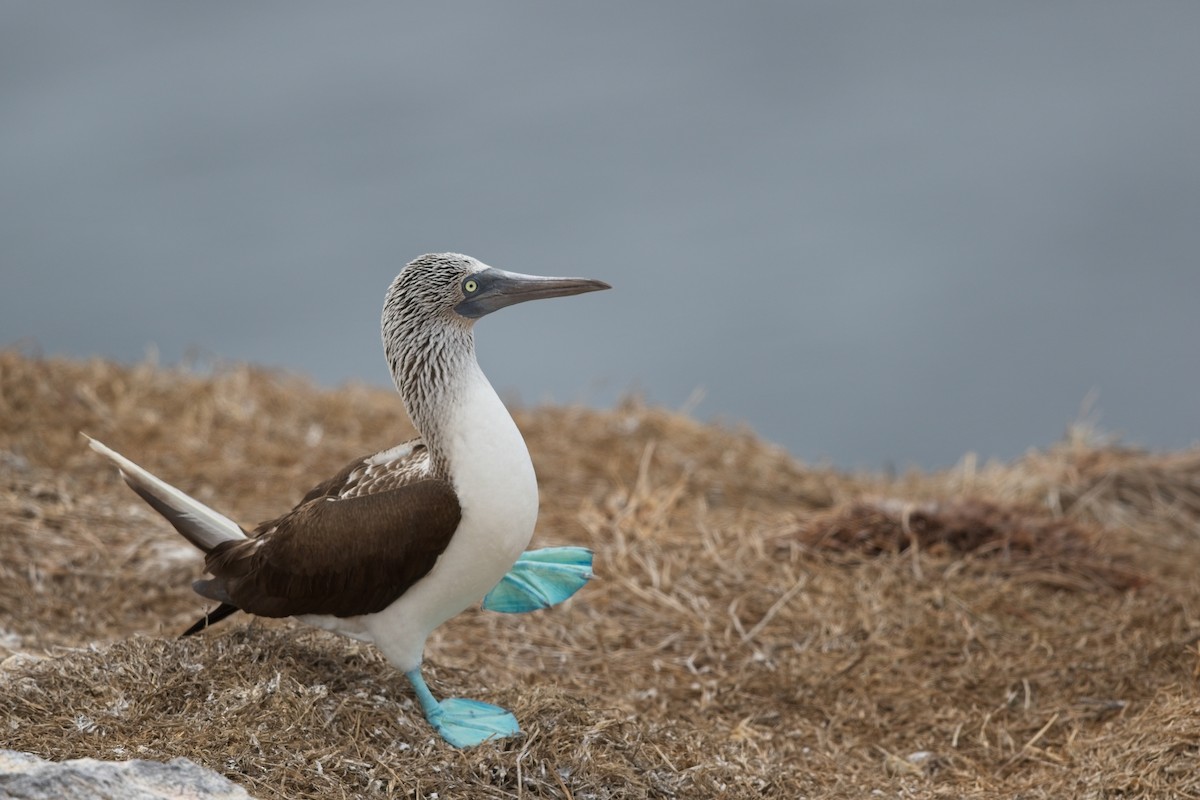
point(878, 233)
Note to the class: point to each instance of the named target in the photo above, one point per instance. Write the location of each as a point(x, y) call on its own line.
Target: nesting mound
point(759, 628)
point(1014, 540)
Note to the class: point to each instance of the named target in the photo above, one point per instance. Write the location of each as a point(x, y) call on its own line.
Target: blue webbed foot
point(462, 722)
point(540, 579)
point(466, 723)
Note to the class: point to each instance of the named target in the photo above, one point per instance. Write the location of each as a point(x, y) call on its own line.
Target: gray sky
point(876, 232)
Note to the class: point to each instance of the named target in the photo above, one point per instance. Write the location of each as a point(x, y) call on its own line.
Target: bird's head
point(458, 289)
point(429, 315)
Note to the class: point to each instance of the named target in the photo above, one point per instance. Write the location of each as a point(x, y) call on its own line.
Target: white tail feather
point(199, 524)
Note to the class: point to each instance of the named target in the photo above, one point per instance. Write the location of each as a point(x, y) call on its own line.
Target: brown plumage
point(305, 564)
point(390, 469)
point(302, 562)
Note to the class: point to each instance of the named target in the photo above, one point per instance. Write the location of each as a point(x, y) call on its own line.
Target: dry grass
point(759, 629)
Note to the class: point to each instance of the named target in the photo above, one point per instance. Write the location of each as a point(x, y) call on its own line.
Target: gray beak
point(494, 289)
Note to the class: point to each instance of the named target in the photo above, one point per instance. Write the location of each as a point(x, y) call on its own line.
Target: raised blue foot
point(462, 722)
point(540, 579)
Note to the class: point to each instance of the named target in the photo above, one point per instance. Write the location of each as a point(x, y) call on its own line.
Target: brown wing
point(385, 470)
point(344, 557)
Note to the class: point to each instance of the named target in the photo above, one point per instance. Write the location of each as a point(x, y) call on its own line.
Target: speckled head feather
point(428, 321)
point(425, 340)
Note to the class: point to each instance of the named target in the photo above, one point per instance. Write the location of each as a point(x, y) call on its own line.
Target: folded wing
point(341, 556)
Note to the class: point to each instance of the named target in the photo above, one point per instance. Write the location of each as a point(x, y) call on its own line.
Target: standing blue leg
point(462, 722)
point(540, 579)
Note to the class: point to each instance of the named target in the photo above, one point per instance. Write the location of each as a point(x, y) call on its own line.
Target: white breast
point(497, 490)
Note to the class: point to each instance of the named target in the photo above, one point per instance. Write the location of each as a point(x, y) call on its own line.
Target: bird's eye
point(470, 285)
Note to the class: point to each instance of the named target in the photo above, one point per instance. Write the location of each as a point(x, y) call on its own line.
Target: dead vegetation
point(759, 629)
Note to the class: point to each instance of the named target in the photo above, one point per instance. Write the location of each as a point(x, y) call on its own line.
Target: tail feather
point(199, 524)
point(211, 618)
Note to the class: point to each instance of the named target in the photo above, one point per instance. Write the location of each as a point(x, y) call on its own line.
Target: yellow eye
point(470, 286)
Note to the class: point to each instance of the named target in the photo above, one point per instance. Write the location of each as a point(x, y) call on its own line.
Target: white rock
point(28, 777)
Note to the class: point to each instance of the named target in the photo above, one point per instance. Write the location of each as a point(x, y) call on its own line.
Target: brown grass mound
point(1014, 540)
point(759, 628)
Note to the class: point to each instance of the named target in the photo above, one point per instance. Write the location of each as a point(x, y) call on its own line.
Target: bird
point(400, 541)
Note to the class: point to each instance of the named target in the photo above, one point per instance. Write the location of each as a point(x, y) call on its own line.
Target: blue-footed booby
point(398, 542)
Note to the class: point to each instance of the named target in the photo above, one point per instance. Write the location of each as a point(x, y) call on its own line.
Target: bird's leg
point(462, 722)
point(540, 579)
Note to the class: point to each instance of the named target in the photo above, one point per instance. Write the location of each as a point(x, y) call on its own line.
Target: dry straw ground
point(759, 628)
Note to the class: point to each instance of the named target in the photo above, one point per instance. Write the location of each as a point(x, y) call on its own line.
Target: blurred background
point(878, 233)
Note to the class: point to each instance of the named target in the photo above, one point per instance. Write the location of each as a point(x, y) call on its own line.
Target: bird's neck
point(473, 443)
point(446, 394)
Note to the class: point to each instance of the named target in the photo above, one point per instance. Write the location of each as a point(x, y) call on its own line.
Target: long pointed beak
point(496, 288)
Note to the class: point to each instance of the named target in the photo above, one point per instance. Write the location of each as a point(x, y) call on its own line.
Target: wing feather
point(354, 544)
point(388, 469)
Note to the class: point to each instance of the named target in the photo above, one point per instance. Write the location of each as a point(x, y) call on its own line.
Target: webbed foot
point(463, 722)
point(540, 579)
point(466, 723)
